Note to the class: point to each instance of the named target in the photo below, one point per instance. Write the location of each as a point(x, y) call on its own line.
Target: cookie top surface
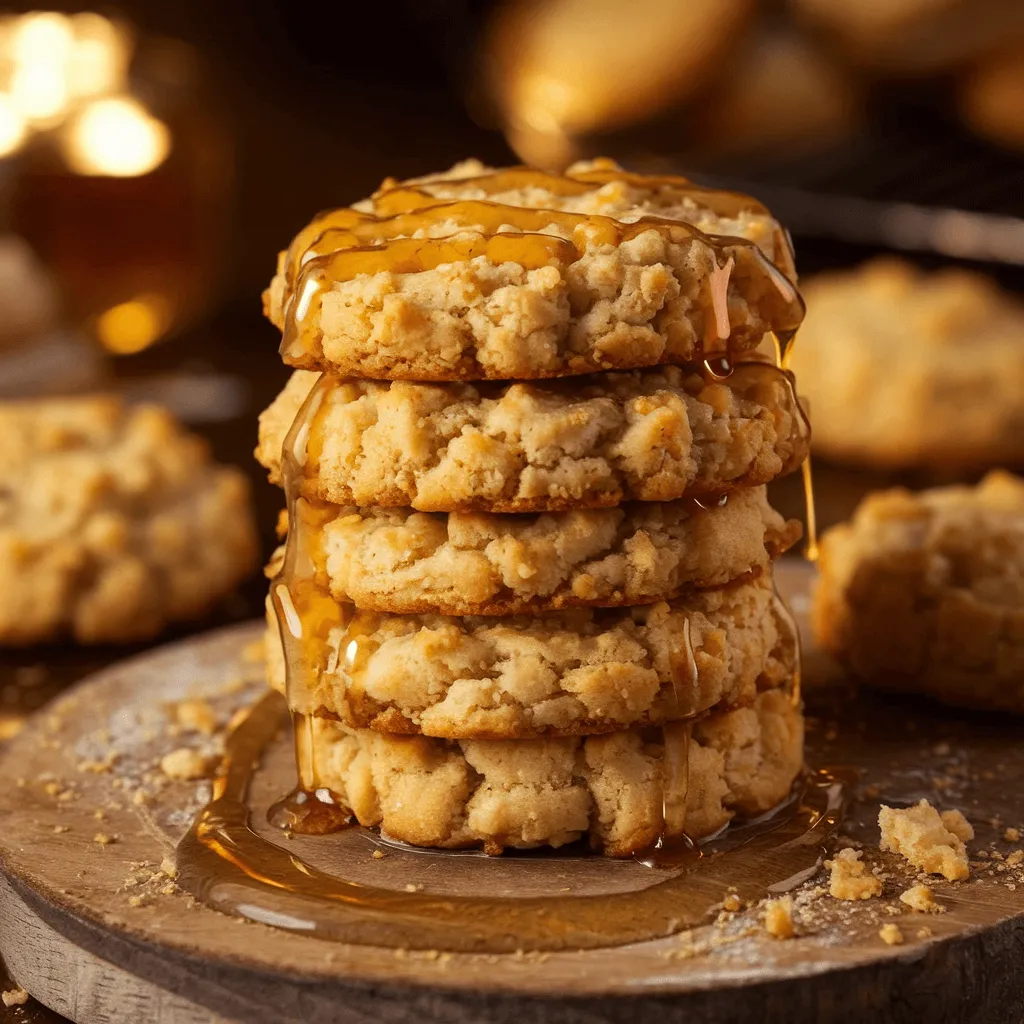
point(580, 671)
point(904, 367)
point(655, 435)
point(521, 274)
point(113, 522)
point(622, 791)
point(474, 563)
point(925, 592)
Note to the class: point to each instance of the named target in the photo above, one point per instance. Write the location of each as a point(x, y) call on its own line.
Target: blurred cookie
point(912, 37)
point(621, 791)
point(905, 368)
point(562, 673)
point(924, 593)
point(113, 522)
point(655, 435)
point(473, 563)
point(991, 97)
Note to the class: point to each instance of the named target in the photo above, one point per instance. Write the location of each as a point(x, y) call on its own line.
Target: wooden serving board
point(90, 934)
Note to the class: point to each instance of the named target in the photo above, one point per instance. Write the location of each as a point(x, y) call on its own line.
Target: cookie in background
point(910, 369)
point(114, 522)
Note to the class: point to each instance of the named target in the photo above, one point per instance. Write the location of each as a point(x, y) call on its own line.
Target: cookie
point(656, 435)
point(924, 593)
point(113, 522)
point(622, 791)
point(473, 563)
point(906, 368)
point(991, 97)
point(523, 275)
point(564, 673)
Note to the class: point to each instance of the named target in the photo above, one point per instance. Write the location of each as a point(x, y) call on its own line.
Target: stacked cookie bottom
point(532, 676)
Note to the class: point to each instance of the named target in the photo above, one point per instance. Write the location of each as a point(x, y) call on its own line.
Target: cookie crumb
point(929, 841)
point(378, 855)
point(61, 828)
point(778, 918)
point(14, 997)
point(135, 901)
point(185, 765)
point(890, 934)
point(850, 879)
point(921, 898)
point(732, 903)
point(169, 868)
point(409, 887)
point(196, 716)
point(924, 932)
point(104, 838)
point(1012, 835)
point(1015, 859)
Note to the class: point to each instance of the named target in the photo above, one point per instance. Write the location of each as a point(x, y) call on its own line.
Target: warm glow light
point(99, 58)
point(116, 137)
point(39, 90)
point(134, 325)
point(12, 127)
point(43, 38)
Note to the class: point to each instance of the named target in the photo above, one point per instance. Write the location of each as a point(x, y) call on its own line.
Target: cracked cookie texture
point(654, 435)
point(476, 563)
point(572, 672)
point(114, 522)
point(520, 275)
point(924, 593)
point(621, 791)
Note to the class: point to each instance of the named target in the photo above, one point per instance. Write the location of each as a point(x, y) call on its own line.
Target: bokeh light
point(116, 136)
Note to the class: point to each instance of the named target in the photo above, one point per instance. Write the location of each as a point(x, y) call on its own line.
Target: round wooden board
point(71, 935)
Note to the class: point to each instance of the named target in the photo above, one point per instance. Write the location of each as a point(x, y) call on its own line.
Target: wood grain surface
point(93, 942)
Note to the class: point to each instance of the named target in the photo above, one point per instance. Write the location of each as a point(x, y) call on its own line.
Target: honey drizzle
point(306, 616)
point(342, 244)
point(784, 342)
point(226, 864)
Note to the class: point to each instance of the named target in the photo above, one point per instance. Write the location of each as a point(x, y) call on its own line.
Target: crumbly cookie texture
point(475, 563)
point(113, 522)
point(565, 673)
point(656, 435)
point(621, 790)
point(849, 878)
point(907, 368)
point(924, 593)
point(929, 841)
point(598, 294)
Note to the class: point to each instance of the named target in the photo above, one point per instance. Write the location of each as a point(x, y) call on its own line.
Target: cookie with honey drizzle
point(522, 274)
point(581, 671)
point(622, 791)
point(655, 435)
point(924, 593)
point(474, 563)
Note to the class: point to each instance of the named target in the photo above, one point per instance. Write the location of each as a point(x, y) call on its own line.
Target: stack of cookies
point(526, 595)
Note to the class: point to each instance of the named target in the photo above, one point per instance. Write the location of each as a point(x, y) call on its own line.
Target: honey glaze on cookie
point(412, 231)
point(226, 864)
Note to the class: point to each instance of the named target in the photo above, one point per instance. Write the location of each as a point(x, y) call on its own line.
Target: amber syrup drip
point(342, 244)
point(306, 616)
point(784, 341)
point(228, 865)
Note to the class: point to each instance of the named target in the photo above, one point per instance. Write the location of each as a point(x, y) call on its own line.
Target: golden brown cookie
point(903, 367)
point(622, 791)
point(114, 522)
point(655, 435)
point(924, 593)
point(519, 274)
point(564, 673)
point(477, 563)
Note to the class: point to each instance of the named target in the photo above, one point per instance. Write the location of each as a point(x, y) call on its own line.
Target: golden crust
point(656, 435)
point(577, 672)
point(621, 791)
